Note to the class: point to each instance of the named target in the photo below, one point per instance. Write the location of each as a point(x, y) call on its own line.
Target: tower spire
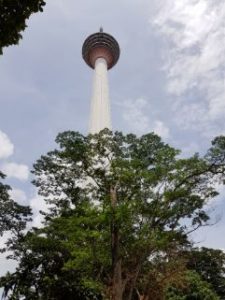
point(101, 52)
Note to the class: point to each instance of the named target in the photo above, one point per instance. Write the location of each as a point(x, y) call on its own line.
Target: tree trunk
point(132, 285)
point(117, 283)
point(117, 286)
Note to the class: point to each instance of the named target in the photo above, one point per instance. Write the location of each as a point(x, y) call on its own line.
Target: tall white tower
point(101, 52)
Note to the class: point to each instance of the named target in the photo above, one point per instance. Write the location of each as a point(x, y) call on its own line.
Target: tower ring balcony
point(101, 45)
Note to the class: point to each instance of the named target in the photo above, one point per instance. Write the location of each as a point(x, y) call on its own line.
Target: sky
point(170, 79)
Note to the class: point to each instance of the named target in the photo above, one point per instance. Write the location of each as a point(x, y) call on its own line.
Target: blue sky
point(170, 79)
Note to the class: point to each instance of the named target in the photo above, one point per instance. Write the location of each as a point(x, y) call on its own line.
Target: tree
point(121, 210)
point(13, 217)
point(41, 273)
point(194, 288)
point(13, 16)
point(210, 265)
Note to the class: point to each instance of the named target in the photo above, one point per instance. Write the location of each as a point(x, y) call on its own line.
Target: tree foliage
point(194, 288)
point(210, 265)
point(13, 217)
point(42, 273)
point(121, 210)
point(13, 17)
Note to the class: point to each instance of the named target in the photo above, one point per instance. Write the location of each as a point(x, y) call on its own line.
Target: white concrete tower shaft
point(100, 116)
point(101, 52)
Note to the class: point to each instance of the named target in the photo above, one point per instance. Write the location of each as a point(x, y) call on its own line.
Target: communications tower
point(101, 52)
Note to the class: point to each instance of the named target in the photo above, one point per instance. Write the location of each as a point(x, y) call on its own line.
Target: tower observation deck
point(101, 52)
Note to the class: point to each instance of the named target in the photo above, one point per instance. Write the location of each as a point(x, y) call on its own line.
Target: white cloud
point(135, 113)
point(161, 129)
point(189, 149)
point(6, 265)
point(18, 196)
point(6, 146)
point(14, 170)
point(194, 59)
point(37, 204)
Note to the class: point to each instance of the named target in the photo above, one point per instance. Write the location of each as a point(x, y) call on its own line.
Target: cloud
point(6, 146)
point(14, 170)
point(161, 129)
point(194, 35)
point(19, 196)
point(135, 113)
point(6, 265)
point(37, 204)
point(189, 149)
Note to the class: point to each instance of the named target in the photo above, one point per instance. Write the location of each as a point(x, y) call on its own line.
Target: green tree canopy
point(13, 217)
point(194, 288)
point(210, 265)
point(13, 17)
point(121, 210)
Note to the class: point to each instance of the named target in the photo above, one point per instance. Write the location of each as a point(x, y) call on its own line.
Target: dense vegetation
point(13, 217)
point(121, 211)
point(13, 17)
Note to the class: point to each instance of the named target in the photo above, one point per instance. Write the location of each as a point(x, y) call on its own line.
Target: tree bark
point(117, 282)
point(117, 286)
point(133, 283)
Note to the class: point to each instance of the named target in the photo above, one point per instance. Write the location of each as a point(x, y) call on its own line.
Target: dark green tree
point(194, 287)
point(41, 273)
point(13, 17)
point(210, 265)
point(120, 207)
point(13, 217)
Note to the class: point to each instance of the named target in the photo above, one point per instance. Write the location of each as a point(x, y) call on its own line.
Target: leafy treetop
point(13, 16)
point(13, 217)
point(121, 210)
